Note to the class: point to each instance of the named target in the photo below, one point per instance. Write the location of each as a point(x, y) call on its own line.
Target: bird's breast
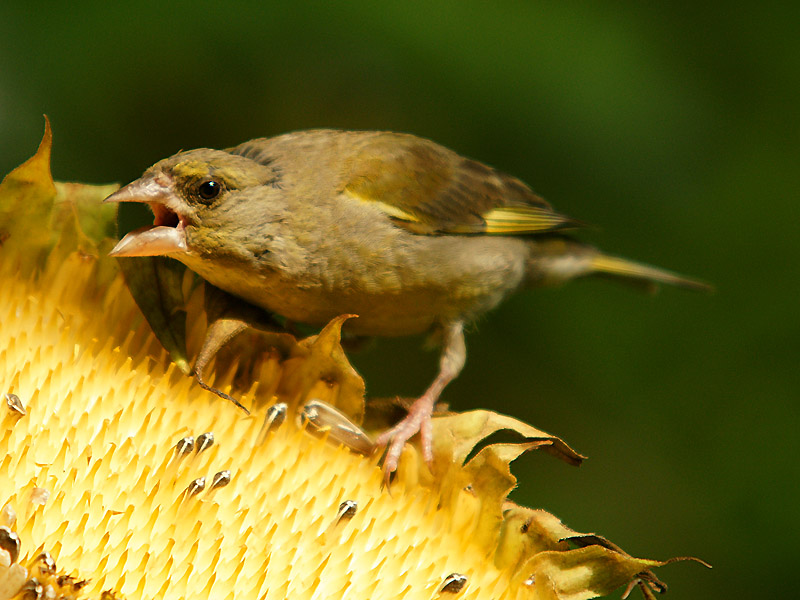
point(398, 283)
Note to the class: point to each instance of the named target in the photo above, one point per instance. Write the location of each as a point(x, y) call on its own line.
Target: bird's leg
point(454, 354)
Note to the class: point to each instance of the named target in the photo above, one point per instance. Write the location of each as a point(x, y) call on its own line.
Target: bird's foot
point(417, 420)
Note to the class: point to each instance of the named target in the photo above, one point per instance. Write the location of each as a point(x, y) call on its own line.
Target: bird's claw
point(418, 420)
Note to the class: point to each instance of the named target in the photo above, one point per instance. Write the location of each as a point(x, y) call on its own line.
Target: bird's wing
point(428, 189)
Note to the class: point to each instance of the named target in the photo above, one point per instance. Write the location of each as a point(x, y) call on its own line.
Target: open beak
point(167, 233)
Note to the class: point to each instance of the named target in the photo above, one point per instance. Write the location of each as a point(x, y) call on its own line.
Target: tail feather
point(613, 266)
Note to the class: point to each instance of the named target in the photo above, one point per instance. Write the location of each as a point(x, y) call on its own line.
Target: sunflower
point(120, 477)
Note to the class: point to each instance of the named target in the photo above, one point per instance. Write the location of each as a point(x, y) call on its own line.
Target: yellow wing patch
point(516, 220)
point(395, 212)
point(506, 220)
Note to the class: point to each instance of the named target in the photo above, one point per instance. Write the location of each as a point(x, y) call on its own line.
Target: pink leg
point(454, 354)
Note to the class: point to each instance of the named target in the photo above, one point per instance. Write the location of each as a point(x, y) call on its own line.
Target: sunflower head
point(121, 478)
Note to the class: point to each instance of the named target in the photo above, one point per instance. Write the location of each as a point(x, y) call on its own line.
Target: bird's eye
point(209, 189)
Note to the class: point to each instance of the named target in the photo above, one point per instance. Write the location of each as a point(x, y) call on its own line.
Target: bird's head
point(193, 196)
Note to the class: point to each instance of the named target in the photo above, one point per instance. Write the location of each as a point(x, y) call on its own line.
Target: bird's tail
point(639, 273)
point(557, 259)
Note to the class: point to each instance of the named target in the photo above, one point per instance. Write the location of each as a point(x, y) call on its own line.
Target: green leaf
point(39, 216)
point(26, 202)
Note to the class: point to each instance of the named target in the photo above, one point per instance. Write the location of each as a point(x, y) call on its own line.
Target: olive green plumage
point(401, 231)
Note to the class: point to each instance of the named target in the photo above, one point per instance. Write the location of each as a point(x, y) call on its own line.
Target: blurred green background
point(672, 126)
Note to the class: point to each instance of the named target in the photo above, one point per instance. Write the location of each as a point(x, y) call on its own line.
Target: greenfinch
point(402, 232)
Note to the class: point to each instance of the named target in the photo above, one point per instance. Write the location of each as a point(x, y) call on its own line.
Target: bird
point(406, 234)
